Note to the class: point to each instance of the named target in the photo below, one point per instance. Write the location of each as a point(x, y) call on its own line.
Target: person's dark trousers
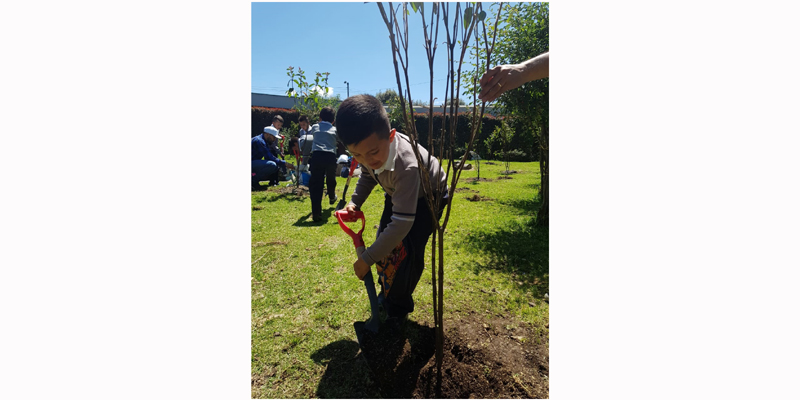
point(261, 170)
point(399, 300)
point(323, 168)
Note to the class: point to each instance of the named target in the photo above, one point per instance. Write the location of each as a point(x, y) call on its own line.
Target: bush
point(262, 117)
point(462, 129)
point(516, 155)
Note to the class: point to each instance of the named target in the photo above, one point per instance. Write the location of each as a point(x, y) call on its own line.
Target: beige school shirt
point(399, 177)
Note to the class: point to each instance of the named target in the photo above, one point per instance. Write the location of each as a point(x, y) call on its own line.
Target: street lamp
point(348, 88)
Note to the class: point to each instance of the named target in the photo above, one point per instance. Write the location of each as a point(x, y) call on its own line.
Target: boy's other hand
point(290, 166)
point(361, 268)
point(351, 210)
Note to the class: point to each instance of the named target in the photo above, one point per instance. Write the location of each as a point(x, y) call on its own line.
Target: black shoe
point(317, 218)
point(333, 200)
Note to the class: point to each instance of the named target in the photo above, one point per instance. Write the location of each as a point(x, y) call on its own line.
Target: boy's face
point(278, 124)
point(372, 151)
point(304, 125)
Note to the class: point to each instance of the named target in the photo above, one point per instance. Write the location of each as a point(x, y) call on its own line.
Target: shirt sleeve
point(404, 209)
point(272, 157)
point(363, 188)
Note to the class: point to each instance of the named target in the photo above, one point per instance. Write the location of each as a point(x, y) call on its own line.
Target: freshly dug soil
point(298, 191)
point(500, 358)
point(477, 197)
point(463, 189)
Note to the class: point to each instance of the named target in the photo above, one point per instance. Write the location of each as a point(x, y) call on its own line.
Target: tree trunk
point(542, 216)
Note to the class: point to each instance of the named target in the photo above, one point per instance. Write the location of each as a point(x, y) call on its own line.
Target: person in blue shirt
point(323, 162)
point(264, 163)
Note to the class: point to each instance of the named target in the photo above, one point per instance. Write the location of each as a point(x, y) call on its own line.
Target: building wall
point(271, 100)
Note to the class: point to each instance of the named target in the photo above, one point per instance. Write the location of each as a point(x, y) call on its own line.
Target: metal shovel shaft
point(374, 322)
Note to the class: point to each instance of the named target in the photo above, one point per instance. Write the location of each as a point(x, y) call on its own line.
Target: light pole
point(348, 88)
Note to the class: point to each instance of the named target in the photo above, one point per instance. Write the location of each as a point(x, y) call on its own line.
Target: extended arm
point(502, 78)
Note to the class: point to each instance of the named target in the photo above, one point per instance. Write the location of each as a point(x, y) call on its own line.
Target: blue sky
point(349, 40)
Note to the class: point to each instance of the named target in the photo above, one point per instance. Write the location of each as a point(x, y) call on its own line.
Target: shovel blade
point(365, 328)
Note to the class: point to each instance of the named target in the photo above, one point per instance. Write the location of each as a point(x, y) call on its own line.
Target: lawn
point(305, 296)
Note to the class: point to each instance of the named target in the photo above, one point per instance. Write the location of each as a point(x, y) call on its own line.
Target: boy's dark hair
point(327, 114)
point(303, 118)
point(277, 118)
point(359, 117)
point(294, 141)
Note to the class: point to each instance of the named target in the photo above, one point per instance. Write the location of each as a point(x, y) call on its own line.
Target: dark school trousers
point(323, 168)
point(404, 265)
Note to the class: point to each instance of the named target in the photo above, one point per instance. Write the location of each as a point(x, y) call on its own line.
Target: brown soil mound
point(496, 359)
point(298, 191)
point(477, 197)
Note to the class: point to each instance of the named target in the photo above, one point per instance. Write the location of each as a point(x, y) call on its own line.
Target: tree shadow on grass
point(287, 196)
point(388, 365)
point(347, 375)
point(520, 249)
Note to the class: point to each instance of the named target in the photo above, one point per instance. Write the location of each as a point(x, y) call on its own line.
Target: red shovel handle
point(353, 165)
point(343, 216)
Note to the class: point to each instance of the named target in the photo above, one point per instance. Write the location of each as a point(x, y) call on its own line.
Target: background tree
point(523, 33)
point(386, 96)
point(503, 133)
point(311, 97)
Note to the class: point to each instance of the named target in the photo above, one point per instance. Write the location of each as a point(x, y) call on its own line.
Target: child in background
point(323, 162)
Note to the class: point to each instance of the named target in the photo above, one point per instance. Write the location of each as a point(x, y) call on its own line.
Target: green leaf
point(482, 16)
point(414, 6)
point(467, 17)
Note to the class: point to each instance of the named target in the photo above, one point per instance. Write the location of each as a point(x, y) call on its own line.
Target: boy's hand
point(351, 210)
point(361, 268)
point(290, 166)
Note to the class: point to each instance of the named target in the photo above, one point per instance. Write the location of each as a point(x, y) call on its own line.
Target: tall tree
point(524, 35)
point(460, 24)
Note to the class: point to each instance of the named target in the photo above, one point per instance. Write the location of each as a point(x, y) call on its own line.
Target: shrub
point(462, 129)
point(262, 117)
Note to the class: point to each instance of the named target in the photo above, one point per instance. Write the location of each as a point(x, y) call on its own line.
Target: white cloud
point(326, 92)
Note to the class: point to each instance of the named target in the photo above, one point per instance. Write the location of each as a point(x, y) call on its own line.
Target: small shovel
point(342, 202)
point(373, 322)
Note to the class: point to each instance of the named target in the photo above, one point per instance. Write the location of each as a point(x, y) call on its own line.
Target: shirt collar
point(389, 164)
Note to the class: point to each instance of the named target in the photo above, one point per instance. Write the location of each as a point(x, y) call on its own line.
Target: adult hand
point(503, 78)
point(351, 209)
point(500, 79)
point(289, 166)
point(361, 268)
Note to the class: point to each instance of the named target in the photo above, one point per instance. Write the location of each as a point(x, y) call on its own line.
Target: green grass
point(305, 296)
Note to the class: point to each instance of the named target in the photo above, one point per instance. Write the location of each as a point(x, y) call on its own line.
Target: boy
point(303, 121)
point(264, 164)
point(323, 162)
point(306, 142)
point(387, 158)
